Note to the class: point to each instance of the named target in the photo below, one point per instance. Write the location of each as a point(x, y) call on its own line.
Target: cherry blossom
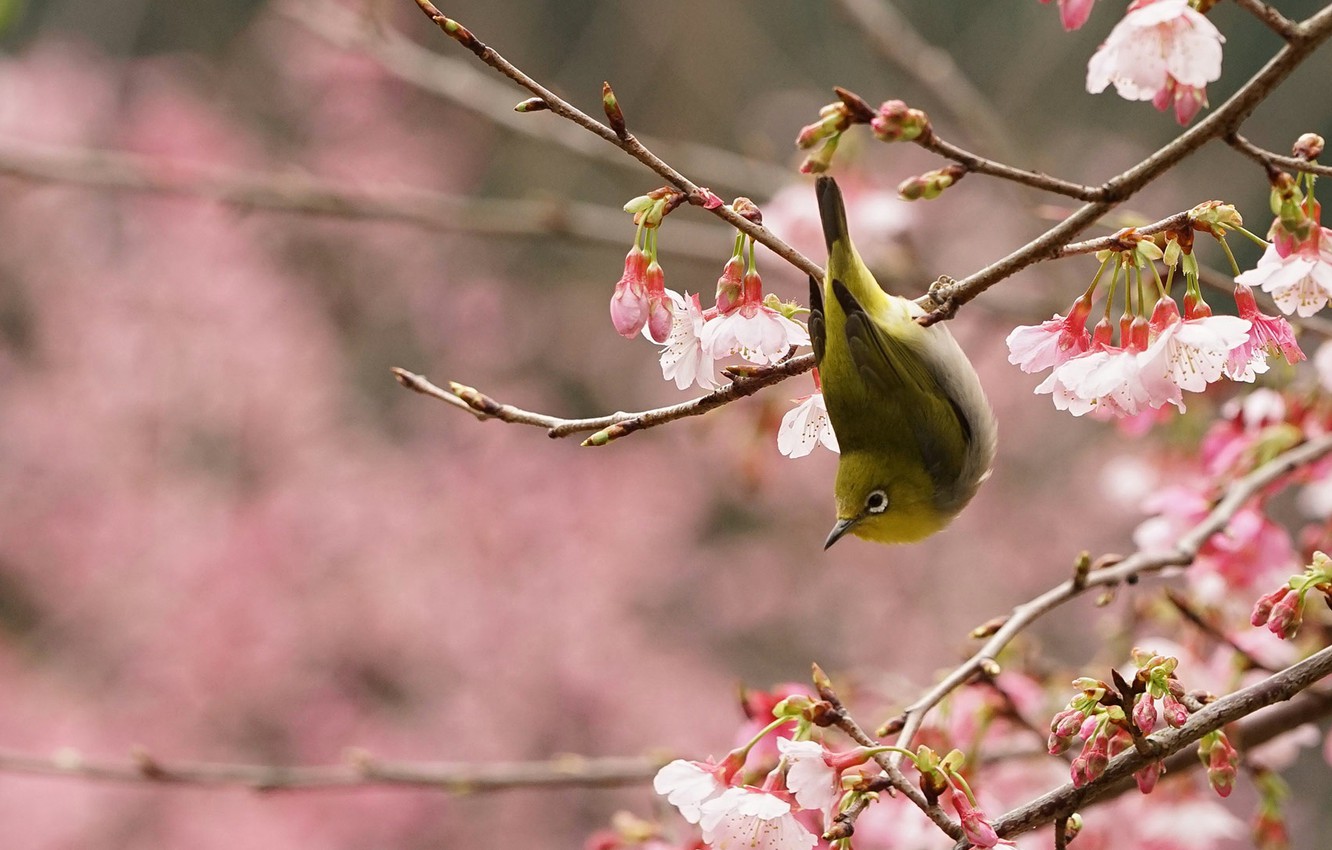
point(1164, 51)
point(813, 781)
point(1196, 351)
point(1297, 274)
point(683, 359)
point(805, 426)
point(753, 819)
point(752, 329)
point(629, 303)
point(1267, 335)
point(1035, 348)
point(687, 785)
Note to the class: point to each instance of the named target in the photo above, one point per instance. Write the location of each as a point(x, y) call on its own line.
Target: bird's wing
point(899, 370)
point(818, 331)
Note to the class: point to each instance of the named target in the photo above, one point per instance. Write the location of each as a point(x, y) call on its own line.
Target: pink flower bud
point(1176, 714)
point(1144, 714)
point(730, 286)
point(1222, 765)
point(1262, 609)
point(1287, 615)
point(629, 304)
point(897, 122)
point(660, 318)
point(1147, 776)
point(977, 829)
point(1091, 762)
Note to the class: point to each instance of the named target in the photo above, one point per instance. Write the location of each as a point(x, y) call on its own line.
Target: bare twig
point(1140, 563)
point(614, 425)
point(844, 824)
point(629, 144)
point(1268, 158)
point(459, 82)
point(1065, 799)
point(980, 165)
point(359, 771)
point(1271, 18)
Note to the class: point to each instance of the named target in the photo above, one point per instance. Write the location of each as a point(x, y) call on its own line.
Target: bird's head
point(884, 501)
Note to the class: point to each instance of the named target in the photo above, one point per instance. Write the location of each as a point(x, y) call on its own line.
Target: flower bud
point(821, 160)
point(1147, 776)
point(1176, 714)
point(1308, 147)
point(1262, 609)
point(897, 122)
point(1144, 714)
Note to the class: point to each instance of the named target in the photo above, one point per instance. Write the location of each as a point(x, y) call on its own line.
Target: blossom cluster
point(743, 322)
point(1162, 354)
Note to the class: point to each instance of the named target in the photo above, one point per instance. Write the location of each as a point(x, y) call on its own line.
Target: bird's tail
point(832, 212)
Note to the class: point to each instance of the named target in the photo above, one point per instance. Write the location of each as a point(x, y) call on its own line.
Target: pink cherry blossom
point(629, 303)
point(1164, 51)
point(1074, 13)
point(814, 782)
point(1298, 275)
point(1034, 348)
point(752, 329)
point(687, 785)
point(975, 826)
point(683, 359)
point(1195, 351)
point(753, 819)
point(805, 426)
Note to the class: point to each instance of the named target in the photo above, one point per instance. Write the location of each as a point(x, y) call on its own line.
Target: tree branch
point(1138, 564)
point(611, 426)
point(1270, 18)
point(1268, 159)
point(629, 144)
point(359, 771)
point(930, 141)
point(1222, 122)
point(1066, 799)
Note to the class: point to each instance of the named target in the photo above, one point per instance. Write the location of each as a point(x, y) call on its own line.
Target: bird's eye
point(877, 502)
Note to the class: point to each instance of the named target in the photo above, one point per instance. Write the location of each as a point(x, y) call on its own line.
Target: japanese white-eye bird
point(917, 436)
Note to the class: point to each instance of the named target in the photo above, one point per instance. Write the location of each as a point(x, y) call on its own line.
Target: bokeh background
point(227, 534)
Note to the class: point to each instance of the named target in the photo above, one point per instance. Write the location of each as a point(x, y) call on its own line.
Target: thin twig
point(459, 82)
point(629, 144)
point(1035, 179)
point(1276, 688)
point(359, 771)
point(1104, 243)
point(298, 193)
point(1268, 158)
point(1271, 18)
point(844, 823)
point(611, 426)
point(1141, 563)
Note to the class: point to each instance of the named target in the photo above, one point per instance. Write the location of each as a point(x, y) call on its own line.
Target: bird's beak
point(842, 527)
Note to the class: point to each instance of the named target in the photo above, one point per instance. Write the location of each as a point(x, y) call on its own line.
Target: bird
point(916, 433)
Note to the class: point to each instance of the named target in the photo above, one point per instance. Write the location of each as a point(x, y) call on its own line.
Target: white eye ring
point(876, 502)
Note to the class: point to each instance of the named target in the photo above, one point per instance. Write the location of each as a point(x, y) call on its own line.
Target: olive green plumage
point(917, 436)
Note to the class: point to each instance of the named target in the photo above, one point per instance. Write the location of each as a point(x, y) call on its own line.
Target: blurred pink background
point(226, 534)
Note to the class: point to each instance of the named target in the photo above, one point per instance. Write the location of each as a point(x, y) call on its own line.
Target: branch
point(1066, 799)
point(1270, 18)
point(1269, 159)
point(844, 824)
point(930, 141)
point(1221, 123)
point(629, 143)
point(458, 82)
point(1138, 564)
point(359, 771)
point(614, 425)
point(1178, 221)
point(296, 193)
